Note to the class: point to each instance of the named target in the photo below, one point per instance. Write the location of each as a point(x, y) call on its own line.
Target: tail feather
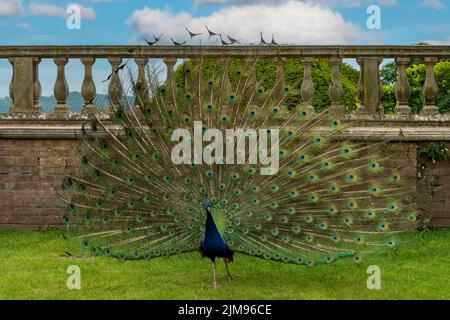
point(329, 199)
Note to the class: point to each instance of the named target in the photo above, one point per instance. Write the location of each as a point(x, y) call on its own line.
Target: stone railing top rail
point(123, 51)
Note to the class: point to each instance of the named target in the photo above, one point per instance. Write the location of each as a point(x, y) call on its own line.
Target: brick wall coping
point(366, 129)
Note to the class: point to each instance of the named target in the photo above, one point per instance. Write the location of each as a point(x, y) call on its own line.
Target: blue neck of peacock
point(209, 224)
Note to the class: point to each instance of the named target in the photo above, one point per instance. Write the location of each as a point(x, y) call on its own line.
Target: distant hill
point(4, 104)
point(75, 102)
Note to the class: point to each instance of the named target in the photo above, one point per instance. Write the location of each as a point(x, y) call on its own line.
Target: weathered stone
point(23, 86)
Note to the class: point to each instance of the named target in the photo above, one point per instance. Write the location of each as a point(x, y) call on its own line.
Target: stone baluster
point(307, 88)
point(22, 90)
point(402, 87)
point(250, 63)
point(37, 88)
point(11, 85)
point(170, 82)
point(61, 89)
point(88, 90)
point(370, 91)
point(115, 87)
point(336, 89)
point(380, 89)
point(430, 89)
point(141, 85)
point(360, 93)
point(279, 64)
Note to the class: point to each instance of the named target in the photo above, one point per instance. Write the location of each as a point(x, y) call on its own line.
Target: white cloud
point(60, 12)
point(388, 3)
point(435, 4)
point(11, 7)
point(292, 22)
point(333, 3)
point(87, 13)
point(23, 25)
point(439, 42)
point(47, 10)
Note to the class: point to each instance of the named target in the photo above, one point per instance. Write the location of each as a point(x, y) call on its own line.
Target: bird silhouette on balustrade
point(211, 33)
point(273, 42)
point(233, 40)
point(155, 40)
point(158, 38)
point(176, 43)
point(224, 43)
point(192, 34)
point(262, 42)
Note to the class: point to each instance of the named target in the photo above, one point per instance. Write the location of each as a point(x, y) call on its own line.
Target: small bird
point(108, 78)
point(262, 42)
point(232, 40)
point(192, 34)
point(158, 37)
point(123, 65)
point(119, 68)
point(177, 43)
point(151, 43)
point(211, 33)
point(273, 43)
point(224, 43)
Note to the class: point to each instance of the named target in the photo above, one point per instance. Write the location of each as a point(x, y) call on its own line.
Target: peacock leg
point(229, 277)
point(214, 272)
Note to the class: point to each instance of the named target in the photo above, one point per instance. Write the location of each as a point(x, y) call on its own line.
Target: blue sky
point(41, 22)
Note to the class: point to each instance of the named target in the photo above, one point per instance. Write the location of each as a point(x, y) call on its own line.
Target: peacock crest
point(218, 162)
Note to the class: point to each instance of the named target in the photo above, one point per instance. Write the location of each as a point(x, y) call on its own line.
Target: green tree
point(389, 73)
point(416, 75)
point(293, 74)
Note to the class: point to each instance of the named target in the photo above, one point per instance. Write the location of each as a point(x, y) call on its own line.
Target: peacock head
point(208, 205)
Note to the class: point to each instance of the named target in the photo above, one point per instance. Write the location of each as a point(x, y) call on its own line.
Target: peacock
point(220, 164)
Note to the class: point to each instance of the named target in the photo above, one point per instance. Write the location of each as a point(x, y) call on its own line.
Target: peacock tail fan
point(283, 185)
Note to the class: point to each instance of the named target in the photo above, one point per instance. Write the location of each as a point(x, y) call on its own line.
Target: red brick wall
point(434, 189)
point(31, 172)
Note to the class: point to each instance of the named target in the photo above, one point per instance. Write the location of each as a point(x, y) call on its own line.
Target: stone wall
point(433, 185)
point(31, 172)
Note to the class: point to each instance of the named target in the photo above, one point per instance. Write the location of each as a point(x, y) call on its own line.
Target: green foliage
point(416, 75)
point(443, 80)
point(388, 100)
point(321, 73)
point(435, 151)
point(389, 73)
point(266, 75)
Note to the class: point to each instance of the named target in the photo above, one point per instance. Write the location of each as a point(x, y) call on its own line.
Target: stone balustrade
point(25, 87)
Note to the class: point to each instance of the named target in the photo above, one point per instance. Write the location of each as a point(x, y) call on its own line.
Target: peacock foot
point(229, 277)
point(215, 285)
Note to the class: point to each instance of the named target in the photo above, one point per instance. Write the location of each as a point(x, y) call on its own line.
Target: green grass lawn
point(33, 266)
